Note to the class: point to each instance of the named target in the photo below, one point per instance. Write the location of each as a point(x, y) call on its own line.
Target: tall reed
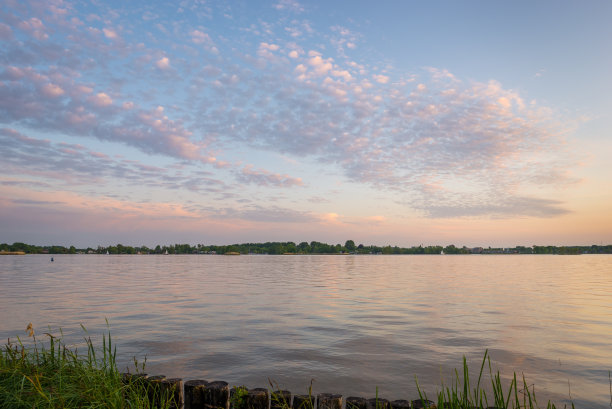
point(460, 395)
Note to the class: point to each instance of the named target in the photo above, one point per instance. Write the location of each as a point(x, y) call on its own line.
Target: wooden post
point(422, 404)
point(303, 402)
point(154, 389)
point(329, 401)
point(281, 399)
point(257, 398)
point(216, 395)
point(133, 380)
point(356, 402)
point(400, 404)
point(378, 403)
point(129, 378)
point(173, 388)
point(195, 393)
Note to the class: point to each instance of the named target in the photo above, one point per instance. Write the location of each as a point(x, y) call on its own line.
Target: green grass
point(238, 397)
point(461, 394)
point(53, 376)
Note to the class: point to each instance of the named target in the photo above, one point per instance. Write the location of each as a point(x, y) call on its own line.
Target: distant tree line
point(314, 247)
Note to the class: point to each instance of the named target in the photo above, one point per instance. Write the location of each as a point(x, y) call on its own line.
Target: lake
point(349, 323)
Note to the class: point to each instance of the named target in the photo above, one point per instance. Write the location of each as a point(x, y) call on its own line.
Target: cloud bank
point(211, 98)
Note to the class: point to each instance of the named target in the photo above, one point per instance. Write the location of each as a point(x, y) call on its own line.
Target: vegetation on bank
point(314, 247)
point(461, 395)
point(55, 376)
point(58, 377)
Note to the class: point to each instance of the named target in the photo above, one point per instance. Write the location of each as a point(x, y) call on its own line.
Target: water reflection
point(351, 323)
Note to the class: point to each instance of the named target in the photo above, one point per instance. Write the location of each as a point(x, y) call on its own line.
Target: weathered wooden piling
point(400, 404)
point(173, 389)
point(377, 403)
point(303, 402)
point(153, 385)
point(130, 378)
point(329, 401)
point(280, 399)
point(201, 394)
point(356, 402)
point(257, 398)
point(423, 404)
point(194, 391)
point(216, 395)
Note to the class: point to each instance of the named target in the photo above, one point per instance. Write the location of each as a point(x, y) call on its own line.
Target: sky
point(478, 123)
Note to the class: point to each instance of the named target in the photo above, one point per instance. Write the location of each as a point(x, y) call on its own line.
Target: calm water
point(351, 323)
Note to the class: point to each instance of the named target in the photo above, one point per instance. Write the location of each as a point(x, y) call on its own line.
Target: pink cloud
point(344, 74)
point(110, 33)
point(101, 99)
point(52, 90)
point(200, 37)
point(204, 39)
point(163, 63)
point(321, 66)
point(79, 117)
point(383, 79)
point(35, 27)
point(266, 50)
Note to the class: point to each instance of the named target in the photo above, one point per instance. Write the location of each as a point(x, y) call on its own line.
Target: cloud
point(479, 137)
point(163, 63)
point(289, 5)
point(110, 33)
point(344, 74)
point(321, 66)
point(508, 207)
point(383, 79)
point(34, 202)
point(429, 135)
point(262, 177)
point(52, 90)
point(33, 101)
point(261, 214)
point(202, 38)
point(267, 51)
point(344, 38)
point(69, 165)
point(101, 99)
point(102, 218)
point(35, 27)
point(319, 199)
point(199, 37)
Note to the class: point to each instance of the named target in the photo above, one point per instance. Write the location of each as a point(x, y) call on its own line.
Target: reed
point(461, 395)
point(52, 375)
